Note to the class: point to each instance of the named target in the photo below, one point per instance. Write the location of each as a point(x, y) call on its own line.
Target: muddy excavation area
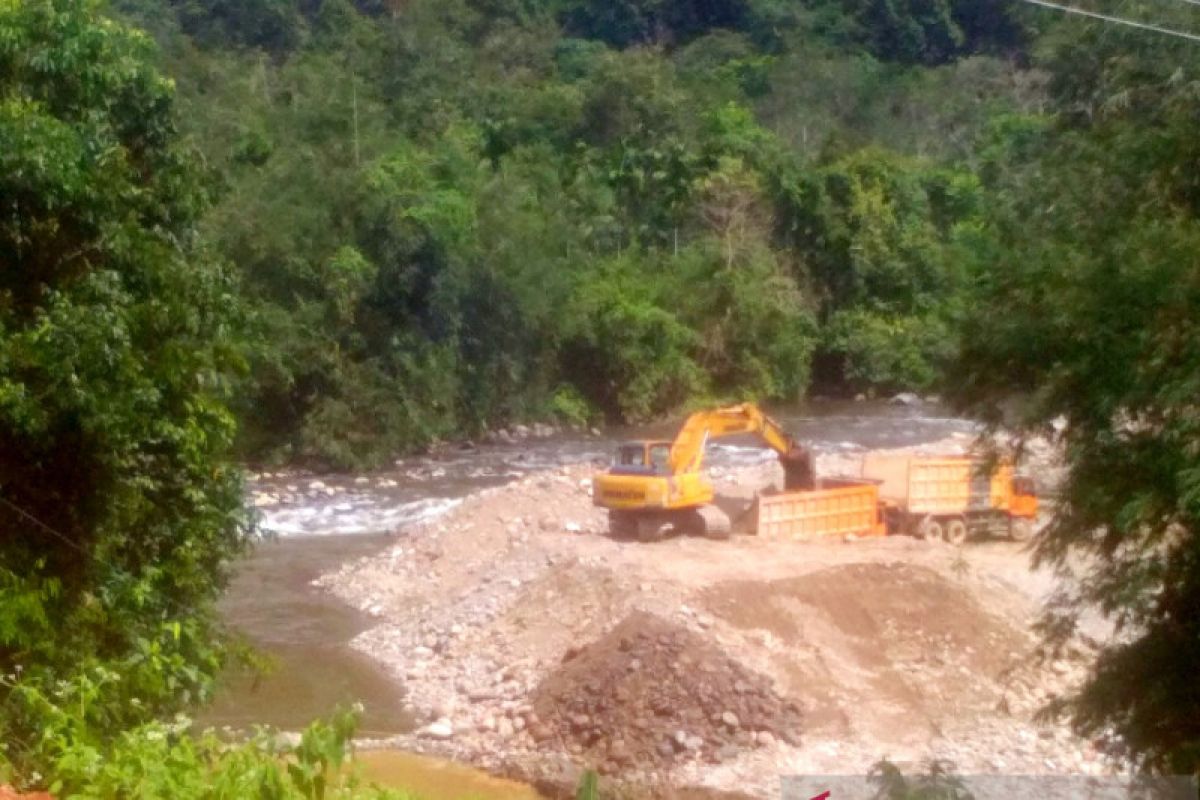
point(529, 642)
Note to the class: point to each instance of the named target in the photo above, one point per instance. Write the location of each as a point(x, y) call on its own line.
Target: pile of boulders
point(651, 693)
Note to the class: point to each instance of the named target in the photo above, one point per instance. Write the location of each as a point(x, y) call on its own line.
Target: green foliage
point(415, 199)
point(888, 351)
point(879, 235)
point(629, 22)
point(1083, 328)
point(76, 760)
point(118, 511)
point(589, 786)
point(269, 24)
point(630, 355)
point(568, 406)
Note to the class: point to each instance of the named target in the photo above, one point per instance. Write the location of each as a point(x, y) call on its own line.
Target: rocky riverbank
point(528, 642)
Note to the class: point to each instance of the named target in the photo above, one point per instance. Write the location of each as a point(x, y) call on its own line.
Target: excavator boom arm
point(687, 451)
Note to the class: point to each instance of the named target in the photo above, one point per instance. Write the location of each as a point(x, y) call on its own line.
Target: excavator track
point(622, 525)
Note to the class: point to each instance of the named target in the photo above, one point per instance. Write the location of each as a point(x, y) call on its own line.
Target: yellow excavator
point(657, 486)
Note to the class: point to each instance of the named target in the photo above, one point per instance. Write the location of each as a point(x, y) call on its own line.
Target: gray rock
point(442, 729)
point(730, 719)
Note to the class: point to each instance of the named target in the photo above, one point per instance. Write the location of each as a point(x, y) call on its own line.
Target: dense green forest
point(328, 232)
point(449, 216)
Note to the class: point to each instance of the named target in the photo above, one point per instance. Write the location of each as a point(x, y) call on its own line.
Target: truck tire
point(956, 530)
point(1020, 529)
point(931, 529)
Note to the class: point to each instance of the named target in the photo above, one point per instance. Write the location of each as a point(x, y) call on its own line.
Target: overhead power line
point(1118, 20)
point(43, 526)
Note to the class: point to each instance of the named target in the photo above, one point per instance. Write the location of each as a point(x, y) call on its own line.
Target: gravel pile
point(650, 693)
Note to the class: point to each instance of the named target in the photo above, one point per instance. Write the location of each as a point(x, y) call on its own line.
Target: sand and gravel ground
point(529, 642)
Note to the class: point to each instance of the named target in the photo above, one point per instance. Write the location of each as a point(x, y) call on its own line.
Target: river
point(322, 521)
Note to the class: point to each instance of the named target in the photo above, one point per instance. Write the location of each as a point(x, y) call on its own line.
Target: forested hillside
point(454, 215)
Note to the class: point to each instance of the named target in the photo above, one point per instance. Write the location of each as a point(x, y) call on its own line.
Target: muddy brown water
point(327, 520)
point(304, 634)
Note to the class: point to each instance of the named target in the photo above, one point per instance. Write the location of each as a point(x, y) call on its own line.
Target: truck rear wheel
point(1020, 529)
point(931, 529)
point(956, 531)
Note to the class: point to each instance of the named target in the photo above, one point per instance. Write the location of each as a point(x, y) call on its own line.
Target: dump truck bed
point(839, 506)
point(938, 485)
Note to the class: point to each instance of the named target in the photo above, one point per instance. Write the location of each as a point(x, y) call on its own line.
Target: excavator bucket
point(799, 470)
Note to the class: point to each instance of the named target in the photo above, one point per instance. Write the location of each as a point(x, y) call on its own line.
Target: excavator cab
point(642, 458)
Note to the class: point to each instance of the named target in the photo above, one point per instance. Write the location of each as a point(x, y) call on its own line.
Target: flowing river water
point(322, 521)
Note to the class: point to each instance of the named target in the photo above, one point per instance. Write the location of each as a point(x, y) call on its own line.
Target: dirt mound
point(902, 639)
point(650, 693)
point(896, 608)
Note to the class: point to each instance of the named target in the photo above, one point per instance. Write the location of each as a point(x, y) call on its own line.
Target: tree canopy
point(422, 203)
point(117, 506)
point(1084, 330)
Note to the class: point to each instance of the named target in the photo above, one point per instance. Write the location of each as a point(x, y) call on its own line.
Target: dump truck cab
point(1024, 502)
point(953, 496)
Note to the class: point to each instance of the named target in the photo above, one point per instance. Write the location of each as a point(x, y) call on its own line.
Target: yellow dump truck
point(951, 497)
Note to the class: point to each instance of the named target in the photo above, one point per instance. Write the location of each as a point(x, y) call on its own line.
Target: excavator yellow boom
point(687, 451)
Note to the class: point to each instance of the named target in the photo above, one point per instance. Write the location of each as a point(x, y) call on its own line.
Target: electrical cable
point(1118, 20)
point(42, 525)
